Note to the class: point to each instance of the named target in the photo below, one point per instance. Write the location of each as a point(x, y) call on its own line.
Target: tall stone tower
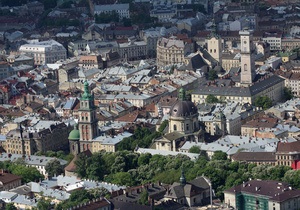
point(247, 58)
point(88, 123)
point(214, 44)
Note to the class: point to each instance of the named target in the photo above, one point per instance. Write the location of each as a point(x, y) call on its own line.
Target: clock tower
point(247, 58)
point(87, 122)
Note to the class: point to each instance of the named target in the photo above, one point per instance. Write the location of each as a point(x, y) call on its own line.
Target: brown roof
point(94, 205)
point(167, 101)
point(254, 156)
point(272, 190)
point(6, 178)
point(288, 147)
point(262, 122)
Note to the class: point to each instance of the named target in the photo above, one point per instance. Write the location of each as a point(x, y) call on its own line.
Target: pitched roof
point(254, 156)
point(6, 178)
point(274, 190)
point(288, 147)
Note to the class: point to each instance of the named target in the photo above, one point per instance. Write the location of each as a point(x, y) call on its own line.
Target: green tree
point(44, 204)
point(53, 167)
point(263, 101)
point(287, 93)
point(163, 125)
point(219, 155)
point(28, 174)
point(123, 178)
point(82, 163)
point(212, 75)
point(10, 206)
point(194, 149)
point(144, 199)
point(292, 177)
point(210, 99)
point(144, 159)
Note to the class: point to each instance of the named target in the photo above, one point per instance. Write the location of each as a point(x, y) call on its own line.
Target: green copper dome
point(86, 94)
point(74, 134)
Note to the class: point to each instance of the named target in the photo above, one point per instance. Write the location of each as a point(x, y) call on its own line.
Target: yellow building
point(171, 51)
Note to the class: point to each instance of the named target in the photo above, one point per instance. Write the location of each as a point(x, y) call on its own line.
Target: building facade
point(172, 51)
point(44, 52)
point(258, 194)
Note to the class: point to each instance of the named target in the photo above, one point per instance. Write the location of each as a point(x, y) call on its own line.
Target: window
point(245, 67)
point(175, 127)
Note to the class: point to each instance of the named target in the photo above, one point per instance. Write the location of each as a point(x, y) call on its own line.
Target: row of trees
point(129, 169)
point(142, 137)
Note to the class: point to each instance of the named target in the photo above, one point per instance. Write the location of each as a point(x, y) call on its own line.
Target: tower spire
point(181, 94)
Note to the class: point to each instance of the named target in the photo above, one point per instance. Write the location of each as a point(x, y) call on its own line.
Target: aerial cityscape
point(149, 104)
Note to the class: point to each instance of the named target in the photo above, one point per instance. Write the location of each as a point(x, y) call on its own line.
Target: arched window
point(175, 127)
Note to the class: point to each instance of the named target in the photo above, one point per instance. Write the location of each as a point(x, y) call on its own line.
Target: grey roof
point(232, 144)
point(240, 91)
point(112, 140)
point(192, 156)
point(111, 7)
point(32, 160)
point(194, 187)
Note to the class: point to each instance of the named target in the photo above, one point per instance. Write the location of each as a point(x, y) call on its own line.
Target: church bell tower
point(247, 58)
point(87, 122)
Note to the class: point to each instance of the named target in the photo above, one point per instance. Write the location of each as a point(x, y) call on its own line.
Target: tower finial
point(181, 94)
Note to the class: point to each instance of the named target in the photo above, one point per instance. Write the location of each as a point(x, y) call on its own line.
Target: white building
point(121, 9)
point(274, 39)
point(133, 50)
point(44, 52)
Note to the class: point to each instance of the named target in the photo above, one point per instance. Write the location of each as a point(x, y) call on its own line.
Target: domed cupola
point(183, 115)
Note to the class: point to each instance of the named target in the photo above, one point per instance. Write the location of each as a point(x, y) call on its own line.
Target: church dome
point(183, 108)
point(74, 134)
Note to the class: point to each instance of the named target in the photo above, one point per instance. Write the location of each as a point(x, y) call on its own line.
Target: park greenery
point(142, 137)
point(28, 174)
point(287, 93)
point(59, 154)
point(211, 99)
point(212, 75)
point(126, 168)
point(263, 102)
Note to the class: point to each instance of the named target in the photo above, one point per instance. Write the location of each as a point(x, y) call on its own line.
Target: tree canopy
point(287, 93)
point(53, 167)
point(194, 149)
point(210, 99)
point(10, 206)
point(263, 101)
point(127, 168)
point(212, 75)
point(28, 174)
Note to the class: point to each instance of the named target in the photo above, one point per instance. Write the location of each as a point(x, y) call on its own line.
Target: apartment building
point(44, 52)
